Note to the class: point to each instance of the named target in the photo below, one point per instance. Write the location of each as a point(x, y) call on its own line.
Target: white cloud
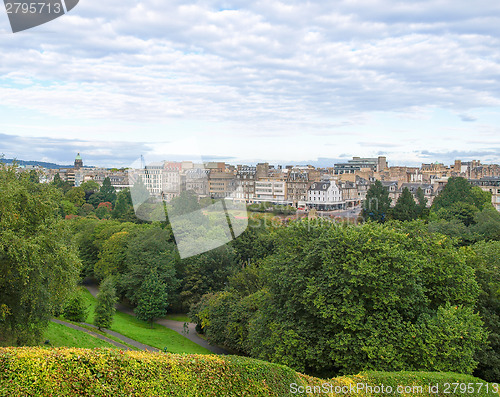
point(266, 66)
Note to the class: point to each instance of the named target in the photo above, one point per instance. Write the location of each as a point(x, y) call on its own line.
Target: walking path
point(177, 326)
point(125, 339)
point(99, 336)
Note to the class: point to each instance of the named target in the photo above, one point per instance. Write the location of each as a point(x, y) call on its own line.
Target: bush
point(109, 372)
point(105, 308)
point(76, 310)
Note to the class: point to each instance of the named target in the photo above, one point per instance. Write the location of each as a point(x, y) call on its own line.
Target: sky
point(289, 82)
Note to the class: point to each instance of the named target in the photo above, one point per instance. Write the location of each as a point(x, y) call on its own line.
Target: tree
point(458, 189)
point(405, 208)
point(487, 267)
point(60, 184)
point(76, 196)
point(185, 203)
point(108, 191)
point(105, 194)
point(124, 209)
point(112, 256)
point(34, 177)
point(75, 309)
point(39, 265)
point(377, 203)
point(422, 210)
point(90, 187)
point(86, 209)
point(152, 299)
point(207, 272)
point(149, 250)
point(344, 299)
point(106, 301)
point(67, 208)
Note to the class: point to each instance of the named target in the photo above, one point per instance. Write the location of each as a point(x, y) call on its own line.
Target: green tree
point(405, 208)
point(76, 309)
point(207, 272)
point(460, 210)
point(458, 189)
point(422, 210)
point(90, 186)
point(112, 256)
point(124, 209)
point(108, 191)
point(34, 176)
point(343, 299)
point(152, 299)
point(76, 196)
point(105, 194)
point(38, 264)
point(86, 209)
point(487, 267)
point(67, 208)
point(106, 301)
point(65, 186)
point(185, 203)
point(377, 203)
point(150, 249)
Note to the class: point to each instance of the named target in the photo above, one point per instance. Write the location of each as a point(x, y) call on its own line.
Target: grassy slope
point(178, 317)
point(60, 335)
point(159, 336)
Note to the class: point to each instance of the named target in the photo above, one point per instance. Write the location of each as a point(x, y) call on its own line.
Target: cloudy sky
point(284, 81)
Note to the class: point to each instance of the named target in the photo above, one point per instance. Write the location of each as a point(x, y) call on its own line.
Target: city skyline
point(250, 82)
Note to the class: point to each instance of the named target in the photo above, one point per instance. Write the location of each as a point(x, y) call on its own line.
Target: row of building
point(342, 186)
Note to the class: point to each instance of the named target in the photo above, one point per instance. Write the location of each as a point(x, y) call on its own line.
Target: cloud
point(467, 118)
point(63, 151)
point(490, 155)
point(262, 62)
point(258, 70)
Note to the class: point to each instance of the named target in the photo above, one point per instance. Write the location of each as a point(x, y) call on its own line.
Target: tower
point(78, 162)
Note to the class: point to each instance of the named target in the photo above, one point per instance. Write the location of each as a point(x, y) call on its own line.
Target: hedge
point(37, 371)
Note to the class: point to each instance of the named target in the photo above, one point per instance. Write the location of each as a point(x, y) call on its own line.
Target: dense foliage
point(105, 307)
point(106, 372)
point(324, 298)
point(38, 266)
point(341, 299)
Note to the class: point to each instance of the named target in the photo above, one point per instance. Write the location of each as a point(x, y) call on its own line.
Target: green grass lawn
point(178, 317)
point(141, 331)
point(60, 335)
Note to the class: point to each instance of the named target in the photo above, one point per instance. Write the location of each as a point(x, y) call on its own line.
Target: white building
point(325, 195)
point(270, 190)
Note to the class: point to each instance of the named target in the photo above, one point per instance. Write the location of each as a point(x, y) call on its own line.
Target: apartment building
point(245, 178)
point(299, 180)
point(269, 189)
point(358, 163)
point(196, 180)
point(325, 195)
point(492, 185)
point(221, 184)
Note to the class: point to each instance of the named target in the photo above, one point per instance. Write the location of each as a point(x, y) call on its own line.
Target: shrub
point(109, 372)
point(76, 310)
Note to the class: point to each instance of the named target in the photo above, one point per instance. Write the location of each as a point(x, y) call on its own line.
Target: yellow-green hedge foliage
point(36, 371)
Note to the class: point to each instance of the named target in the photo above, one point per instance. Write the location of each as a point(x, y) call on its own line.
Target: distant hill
point(38, 163)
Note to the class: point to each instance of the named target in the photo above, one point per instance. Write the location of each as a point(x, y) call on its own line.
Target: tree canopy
point(38, 264)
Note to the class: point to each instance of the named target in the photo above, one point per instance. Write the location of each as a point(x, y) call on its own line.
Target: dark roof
point(320, 186)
